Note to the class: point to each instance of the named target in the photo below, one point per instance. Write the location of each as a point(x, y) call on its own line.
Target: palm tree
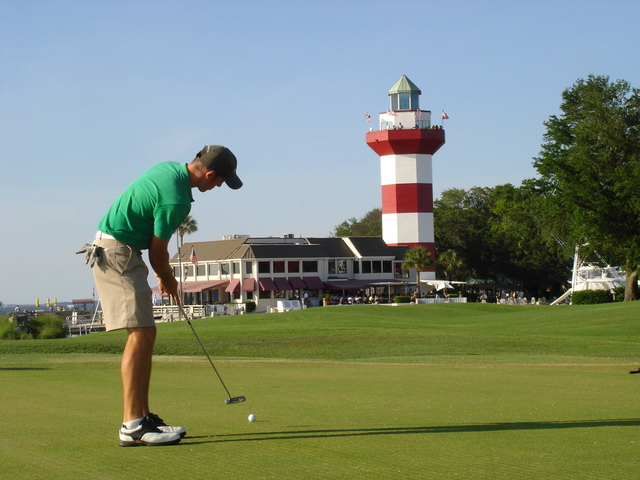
point(418, 258)
point(453, 267)
point(188, 226)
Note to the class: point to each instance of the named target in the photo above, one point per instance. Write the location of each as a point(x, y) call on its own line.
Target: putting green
point(326, 419)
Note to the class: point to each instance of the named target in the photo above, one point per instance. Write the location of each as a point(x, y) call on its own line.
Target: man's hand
point(170, 288)
point(159, 259)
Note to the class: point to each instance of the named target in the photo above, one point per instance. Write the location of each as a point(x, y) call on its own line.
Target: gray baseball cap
point(223, 162)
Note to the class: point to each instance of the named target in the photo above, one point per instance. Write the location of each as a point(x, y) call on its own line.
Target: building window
point(310, 266)
point(201, 270)
point(356, 267)
point(399, 272)
point(405, 101)
point(266, 295)
point(342, 266)
point(176, 272)
point(415, 101)
point(278, 266)
point(293, 266)
point(213, 269)
point(236, 268)
point(331, 267)
point(248, 268)
point(224, 268)
point(366, 266)
point(376, 266)
point(249, 295)
point(264, 267)
point(387, 266)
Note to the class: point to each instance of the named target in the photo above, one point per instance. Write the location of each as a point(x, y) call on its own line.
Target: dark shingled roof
point(214, 250)
point(334, 247)
point(237, 248)
point(288, 251)
point(371, 247)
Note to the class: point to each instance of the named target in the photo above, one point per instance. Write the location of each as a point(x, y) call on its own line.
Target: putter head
point(634, 371)
point(232, 400)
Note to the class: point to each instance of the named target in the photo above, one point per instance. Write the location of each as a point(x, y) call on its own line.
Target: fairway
point(566, 409)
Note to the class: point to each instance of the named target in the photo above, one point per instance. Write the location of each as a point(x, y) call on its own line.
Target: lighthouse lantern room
point(406, 142)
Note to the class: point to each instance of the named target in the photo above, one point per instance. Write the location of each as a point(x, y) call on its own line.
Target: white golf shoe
point(158, 422)
point(147, 434)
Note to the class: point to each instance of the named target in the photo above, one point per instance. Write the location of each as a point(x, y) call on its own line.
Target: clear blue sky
point(92, 93)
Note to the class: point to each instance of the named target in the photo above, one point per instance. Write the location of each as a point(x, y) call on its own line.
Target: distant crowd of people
point(401, 127)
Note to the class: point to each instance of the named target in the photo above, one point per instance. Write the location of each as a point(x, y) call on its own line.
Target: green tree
point(519, 224)
point(345, 229)
point(418, 258)
point(590, 167)
point(370, 225)
point(500, 233)
point(462, 223)
point(188, 226)
point(451, 266)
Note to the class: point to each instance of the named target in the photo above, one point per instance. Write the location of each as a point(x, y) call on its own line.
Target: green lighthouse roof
point(404, 85)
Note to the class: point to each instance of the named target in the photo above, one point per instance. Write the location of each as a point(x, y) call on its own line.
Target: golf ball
point(252, 418)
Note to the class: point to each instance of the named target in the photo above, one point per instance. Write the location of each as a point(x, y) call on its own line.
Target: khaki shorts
point(121, 280)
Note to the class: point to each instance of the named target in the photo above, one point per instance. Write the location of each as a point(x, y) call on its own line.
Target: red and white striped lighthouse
point(405, 143)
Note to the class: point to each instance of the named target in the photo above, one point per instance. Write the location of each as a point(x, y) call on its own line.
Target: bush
point(402, 299)
point(250, 306)
point(591, 297)
point(8, 329)
point(50, 326)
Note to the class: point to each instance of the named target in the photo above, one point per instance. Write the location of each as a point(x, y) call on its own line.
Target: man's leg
point(136, 376)
point(135, 370)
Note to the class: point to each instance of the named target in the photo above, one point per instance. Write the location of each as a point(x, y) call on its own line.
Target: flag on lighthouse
point(367, 117)
point(444, 115)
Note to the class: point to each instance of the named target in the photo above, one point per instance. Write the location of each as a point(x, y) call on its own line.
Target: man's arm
point(159, 259)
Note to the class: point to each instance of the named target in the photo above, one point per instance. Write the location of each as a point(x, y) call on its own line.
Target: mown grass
point(380, 333)
point(434, 391)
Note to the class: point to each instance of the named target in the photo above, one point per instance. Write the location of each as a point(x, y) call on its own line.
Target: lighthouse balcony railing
point(422, 125)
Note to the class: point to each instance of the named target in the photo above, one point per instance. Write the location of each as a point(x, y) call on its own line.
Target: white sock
point(133, 424)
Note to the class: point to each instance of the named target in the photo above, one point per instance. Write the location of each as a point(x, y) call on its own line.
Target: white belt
point(100, 234)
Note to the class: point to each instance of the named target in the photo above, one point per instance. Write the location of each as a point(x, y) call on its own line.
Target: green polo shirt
point(156, 203)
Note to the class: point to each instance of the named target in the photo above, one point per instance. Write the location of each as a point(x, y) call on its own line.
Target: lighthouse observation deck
point(407, 140)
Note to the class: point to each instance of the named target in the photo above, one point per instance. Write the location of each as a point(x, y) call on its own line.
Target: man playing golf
point(145, 216)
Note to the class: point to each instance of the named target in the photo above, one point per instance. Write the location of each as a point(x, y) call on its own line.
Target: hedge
point(591, 297)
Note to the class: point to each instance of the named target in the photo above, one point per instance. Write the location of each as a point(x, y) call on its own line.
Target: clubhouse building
point(240, 269)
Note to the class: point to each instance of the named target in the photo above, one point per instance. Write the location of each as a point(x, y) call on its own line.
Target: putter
point(635, 371)
point(230, 400)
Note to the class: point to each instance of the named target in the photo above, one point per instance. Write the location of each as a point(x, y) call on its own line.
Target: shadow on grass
point(484, 427)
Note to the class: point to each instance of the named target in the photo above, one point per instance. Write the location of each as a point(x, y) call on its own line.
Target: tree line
point(586, 193)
